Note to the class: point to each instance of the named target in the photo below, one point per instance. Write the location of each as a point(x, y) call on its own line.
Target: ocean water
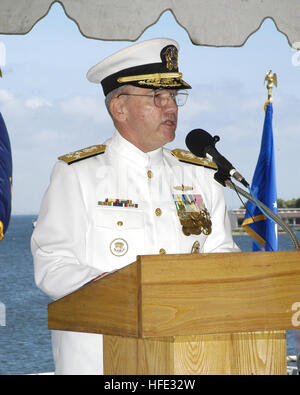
point(25, 342)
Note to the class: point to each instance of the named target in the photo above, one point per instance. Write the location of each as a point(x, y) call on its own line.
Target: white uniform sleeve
point(58, 241)
point(220, 239)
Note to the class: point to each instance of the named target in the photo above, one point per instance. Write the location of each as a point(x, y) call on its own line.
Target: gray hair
point(114, 93)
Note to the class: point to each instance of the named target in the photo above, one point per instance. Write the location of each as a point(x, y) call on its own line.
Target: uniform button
point(162, 251)
point(158, 212)
point(120, 223)
point(149, 174)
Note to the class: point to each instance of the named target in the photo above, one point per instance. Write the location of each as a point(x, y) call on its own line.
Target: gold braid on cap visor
point(157, 79)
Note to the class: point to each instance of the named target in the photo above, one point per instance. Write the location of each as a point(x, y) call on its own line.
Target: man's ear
point(118, 109)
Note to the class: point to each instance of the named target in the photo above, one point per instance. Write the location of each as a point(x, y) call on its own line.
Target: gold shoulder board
point(83, 154)
point(188, 157)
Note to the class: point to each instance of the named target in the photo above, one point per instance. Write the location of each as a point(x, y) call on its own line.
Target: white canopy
point(208, 22)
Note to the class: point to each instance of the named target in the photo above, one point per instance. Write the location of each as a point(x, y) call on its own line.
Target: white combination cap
point(149, 64)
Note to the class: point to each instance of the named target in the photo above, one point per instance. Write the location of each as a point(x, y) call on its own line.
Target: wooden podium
point(190, 314)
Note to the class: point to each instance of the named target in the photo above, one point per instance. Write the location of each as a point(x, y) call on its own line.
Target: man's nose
point(171, 105)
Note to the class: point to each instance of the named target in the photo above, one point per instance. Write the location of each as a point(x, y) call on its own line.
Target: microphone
point(201, 143)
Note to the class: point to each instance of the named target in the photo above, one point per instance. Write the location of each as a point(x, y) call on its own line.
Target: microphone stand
point(275, 217)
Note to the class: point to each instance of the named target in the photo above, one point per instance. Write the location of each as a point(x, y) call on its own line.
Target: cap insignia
point(83, 154)
point(169, 56)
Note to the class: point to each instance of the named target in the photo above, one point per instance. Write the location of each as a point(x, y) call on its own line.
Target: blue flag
point(5, 178)
point(255, 223)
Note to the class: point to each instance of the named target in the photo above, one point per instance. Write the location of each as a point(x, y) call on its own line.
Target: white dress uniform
point(77, 237)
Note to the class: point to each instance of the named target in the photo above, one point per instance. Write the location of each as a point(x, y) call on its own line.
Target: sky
point(50, 108)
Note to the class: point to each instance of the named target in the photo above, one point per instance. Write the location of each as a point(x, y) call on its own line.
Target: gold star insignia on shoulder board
point(188, 157)
point(83, 154)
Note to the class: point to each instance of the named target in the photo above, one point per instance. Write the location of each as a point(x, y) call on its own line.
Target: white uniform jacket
point(77, 236)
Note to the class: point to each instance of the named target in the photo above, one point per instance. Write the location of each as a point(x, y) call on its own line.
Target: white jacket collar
point(123, 148)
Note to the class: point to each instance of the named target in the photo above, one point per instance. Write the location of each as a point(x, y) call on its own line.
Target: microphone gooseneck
point(276, 218)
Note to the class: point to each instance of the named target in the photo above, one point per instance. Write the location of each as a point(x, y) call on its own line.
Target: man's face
point(146, 125)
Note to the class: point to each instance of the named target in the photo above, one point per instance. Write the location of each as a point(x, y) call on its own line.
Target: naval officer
point(130, 196)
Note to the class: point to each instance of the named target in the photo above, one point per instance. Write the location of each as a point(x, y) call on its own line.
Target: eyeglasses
point(161, 99)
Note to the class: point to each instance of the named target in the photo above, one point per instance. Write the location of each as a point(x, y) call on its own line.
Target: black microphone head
point(197, 140)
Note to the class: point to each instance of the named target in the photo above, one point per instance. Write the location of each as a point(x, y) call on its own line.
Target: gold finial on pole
point(271, 79)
